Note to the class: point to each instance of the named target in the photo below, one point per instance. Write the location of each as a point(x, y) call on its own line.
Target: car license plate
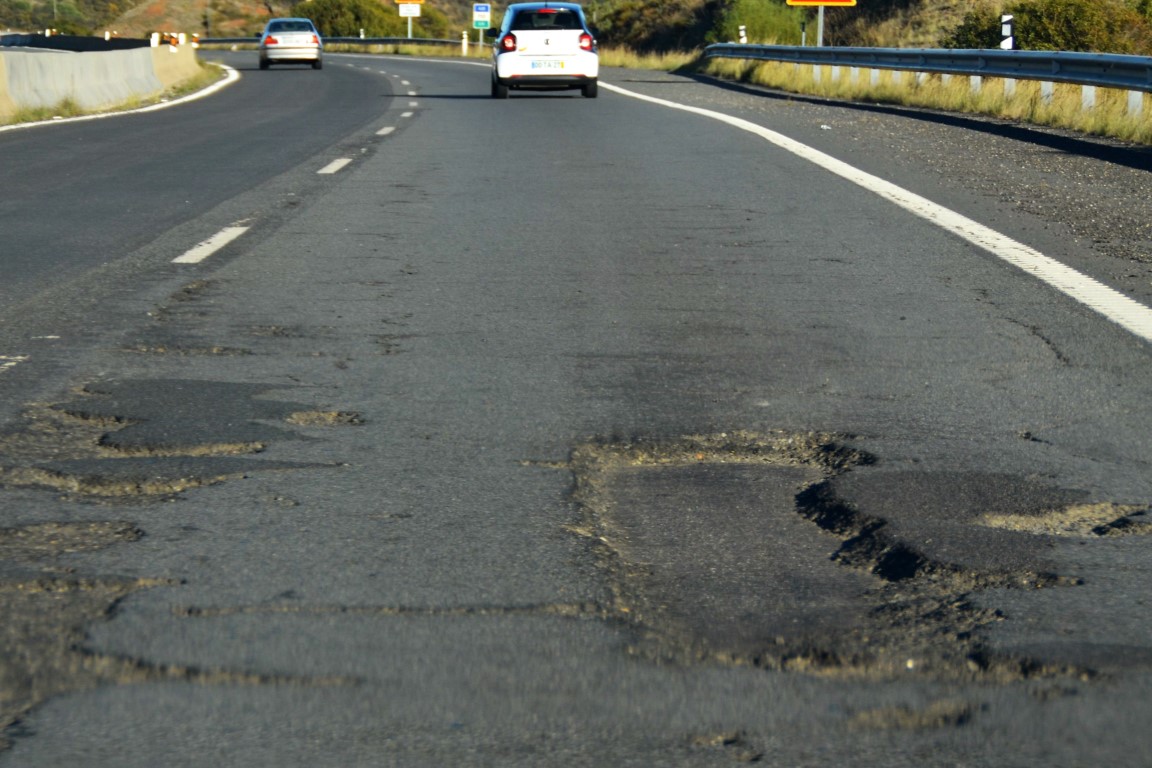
point(547, 65)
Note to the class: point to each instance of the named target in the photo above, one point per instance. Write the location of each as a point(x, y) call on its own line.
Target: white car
point(544, 45)
point(291, 41)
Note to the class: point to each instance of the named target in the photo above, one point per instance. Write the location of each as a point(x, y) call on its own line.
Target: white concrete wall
point(93, 80)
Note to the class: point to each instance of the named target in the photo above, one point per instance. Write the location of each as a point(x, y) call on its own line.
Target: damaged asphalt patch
point(794, 552)
point(149, 438)
point(118, 441)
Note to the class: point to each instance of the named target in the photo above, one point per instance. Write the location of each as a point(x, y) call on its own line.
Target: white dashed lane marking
point(210, 246)
point(335, 166)
point(385, 131)
point(11, 361)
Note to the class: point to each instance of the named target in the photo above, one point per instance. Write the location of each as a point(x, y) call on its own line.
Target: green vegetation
point(346, 18)
point(765, 22)
point(71, 17)
point(1111, 26)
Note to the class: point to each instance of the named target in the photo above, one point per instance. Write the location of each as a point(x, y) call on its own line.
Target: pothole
point(44, 540)
point(937, 714)
point(1081, 520)
point(781, 551)
point(325, 419)
point(154, 437)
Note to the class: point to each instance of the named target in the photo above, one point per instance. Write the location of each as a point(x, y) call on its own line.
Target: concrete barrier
point(32, 79)
point(174, 65)
point(7, 106)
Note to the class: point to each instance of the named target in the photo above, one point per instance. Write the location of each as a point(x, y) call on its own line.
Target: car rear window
point(289, 26)
point(547, 18)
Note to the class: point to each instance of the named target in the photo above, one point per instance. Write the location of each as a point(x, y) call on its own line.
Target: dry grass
point(65, 108)
point(1022, 101)
point(629, 59)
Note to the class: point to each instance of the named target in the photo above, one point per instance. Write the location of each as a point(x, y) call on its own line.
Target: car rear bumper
point(515, 69)
point(549, 81)
point(285, 53)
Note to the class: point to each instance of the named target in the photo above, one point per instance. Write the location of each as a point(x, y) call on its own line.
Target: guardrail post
point(897, 77)
point(921, 78)
point(1009, 88)
point(945, 79)
point(975, 83)
point(817, 73)
point(1087, 97)
point(875, 75)
point(1135, 103)
point(464, 43)
point(835, 74)
point(1047, 91)
point(854, 75)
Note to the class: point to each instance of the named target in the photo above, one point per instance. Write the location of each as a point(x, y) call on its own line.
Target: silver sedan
point(290, 41)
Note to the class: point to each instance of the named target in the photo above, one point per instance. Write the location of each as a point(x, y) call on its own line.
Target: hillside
point(639, 24)
point(676, 24)
point(897, 23)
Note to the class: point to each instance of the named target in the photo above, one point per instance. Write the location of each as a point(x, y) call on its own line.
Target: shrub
point(1103, 26)
point(767, 21)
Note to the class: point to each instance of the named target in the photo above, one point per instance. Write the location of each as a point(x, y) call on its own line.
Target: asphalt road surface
point(352, 417)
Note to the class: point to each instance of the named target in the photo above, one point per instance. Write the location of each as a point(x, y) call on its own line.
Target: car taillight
point(508, 42)
point(315, 40)
point(586, 42)
point(271, 41)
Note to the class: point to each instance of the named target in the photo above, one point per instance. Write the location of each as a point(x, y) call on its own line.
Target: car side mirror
point(493, 33)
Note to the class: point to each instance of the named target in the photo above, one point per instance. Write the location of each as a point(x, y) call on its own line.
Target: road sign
point(481, 15)
point(409, 10)
point(822, 2)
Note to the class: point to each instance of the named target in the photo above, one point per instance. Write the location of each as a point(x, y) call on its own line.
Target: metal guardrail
point(1100, 69)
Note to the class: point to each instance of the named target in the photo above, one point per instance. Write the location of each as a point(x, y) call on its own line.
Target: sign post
point(820, 14)
point(481, 19)
point(409, 9)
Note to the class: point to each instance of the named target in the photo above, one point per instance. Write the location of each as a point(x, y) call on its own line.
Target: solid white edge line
point(335, 165)
point(230, 76)
point(1120, 309)
point(205, 249)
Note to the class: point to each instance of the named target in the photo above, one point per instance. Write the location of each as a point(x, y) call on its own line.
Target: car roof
point(290, 18)
point(537, 6)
